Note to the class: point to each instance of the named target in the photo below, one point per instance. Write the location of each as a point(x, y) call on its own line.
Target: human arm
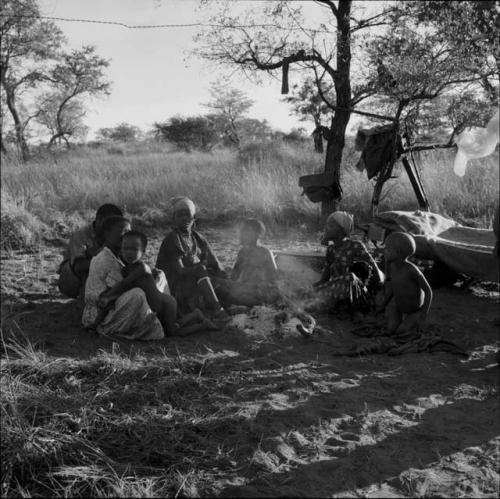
point(425, 287)
point(137, 271)
point(270, 265)
point(236, 272)
point(82, 247)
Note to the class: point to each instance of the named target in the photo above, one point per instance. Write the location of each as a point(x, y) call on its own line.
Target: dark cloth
point(374, 339)
point(192, 249)
point(376, 144)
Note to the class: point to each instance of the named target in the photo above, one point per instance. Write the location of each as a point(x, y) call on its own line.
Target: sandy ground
point(317, 424)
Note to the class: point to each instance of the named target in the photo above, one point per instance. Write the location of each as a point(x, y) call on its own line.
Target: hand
point(158, 275)
point(104, 301)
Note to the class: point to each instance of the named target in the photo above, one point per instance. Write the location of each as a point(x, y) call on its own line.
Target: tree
point(308, 104)
point(274, 37)
point(436, 70)
point(26, 44)
point(123, 132)
point(229, 106)
point(79, 73)
point(63, 122)
point(188, 133)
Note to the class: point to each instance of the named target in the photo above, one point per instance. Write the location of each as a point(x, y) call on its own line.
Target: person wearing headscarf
point(350, 275)
point(189, 263)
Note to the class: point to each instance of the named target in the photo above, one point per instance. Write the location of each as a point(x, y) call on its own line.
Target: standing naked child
point(138, 274)
point(408, 295)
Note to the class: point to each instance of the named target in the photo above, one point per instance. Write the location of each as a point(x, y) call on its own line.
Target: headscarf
point(344, 219)
point(182, 203)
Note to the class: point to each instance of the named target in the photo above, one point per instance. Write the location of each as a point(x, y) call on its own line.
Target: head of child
point(103, 213)
point(399, 246)
point(251, 231)
point(133, 246)
point(338, 225)
point(183, 212)
point(113, 229)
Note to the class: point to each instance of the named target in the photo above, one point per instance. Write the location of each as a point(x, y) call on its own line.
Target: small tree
point(308, 104)
point(123, 132)
point(64, 123)
point(229, 106)
point(80, 73)
point(188, 133)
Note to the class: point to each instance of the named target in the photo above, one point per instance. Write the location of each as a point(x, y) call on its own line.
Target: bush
point(20, 229)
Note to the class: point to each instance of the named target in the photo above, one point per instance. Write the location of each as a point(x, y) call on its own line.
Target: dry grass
point(63, 189)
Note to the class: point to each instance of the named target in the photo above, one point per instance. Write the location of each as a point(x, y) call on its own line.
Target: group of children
point(197, 281)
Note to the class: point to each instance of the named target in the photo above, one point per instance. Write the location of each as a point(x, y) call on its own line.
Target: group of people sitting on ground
point(188, 291)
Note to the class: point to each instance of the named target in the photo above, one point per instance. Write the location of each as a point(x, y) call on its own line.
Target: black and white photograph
point(249, 248)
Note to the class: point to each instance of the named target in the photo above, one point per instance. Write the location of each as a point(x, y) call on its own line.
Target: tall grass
point(261, 181)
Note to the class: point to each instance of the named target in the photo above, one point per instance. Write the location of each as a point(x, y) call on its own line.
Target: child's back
point(255, 265)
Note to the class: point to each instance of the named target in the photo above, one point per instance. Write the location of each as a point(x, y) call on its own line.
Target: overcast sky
point(153, 75)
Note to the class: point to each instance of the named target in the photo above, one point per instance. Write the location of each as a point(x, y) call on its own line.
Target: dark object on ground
point(440, 275)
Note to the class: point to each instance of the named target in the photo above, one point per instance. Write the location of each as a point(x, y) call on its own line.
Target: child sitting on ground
point(133, 246)
point(254, 275)
point(408, 295)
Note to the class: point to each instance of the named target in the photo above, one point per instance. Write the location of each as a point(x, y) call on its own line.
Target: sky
point(153, 74)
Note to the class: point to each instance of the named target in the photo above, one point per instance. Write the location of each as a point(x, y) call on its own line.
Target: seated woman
point(130, 316)
point(345, 281)
point(83, 245)
point(189, 263)
point(138, 274)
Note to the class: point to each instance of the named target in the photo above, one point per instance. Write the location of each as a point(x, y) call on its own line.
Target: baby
point(408, 295)
point(133, 246)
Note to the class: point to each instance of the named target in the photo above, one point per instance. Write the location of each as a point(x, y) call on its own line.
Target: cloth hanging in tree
point(376, 146)
point(284, 79)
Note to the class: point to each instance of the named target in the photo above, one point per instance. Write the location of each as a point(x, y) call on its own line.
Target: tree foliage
point(436, 68)
point(79, 73)
point(27, 43)
point(123, 132)
point(307, 103)
point(228, 106)
point(273, 37)
point(39, 81)
point(188, 133)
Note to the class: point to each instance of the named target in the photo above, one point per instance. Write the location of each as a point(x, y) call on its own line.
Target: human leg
point(69, 283)
point(132, 318)
point(196, 317)
point(410, 322)
point(394, 316)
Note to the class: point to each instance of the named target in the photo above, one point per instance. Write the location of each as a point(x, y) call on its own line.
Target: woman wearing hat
point(188, 262)
point(350, 274)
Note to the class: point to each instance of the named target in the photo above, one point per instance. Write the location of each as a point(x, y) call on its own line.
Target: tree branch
point(429, 147)
point(331, 5)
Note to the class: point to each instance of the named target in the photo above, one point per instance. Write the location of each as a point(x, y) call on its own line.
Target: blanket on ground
point(466, 250)
point(373, 339)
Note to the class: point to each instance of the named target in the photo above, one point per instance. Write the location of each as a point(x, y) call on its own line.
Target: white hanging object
point(475, 142)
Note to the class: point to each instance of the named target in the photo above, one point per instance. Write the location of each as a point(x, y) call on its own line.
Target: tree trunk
point(336, 140)
point(21, 142)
